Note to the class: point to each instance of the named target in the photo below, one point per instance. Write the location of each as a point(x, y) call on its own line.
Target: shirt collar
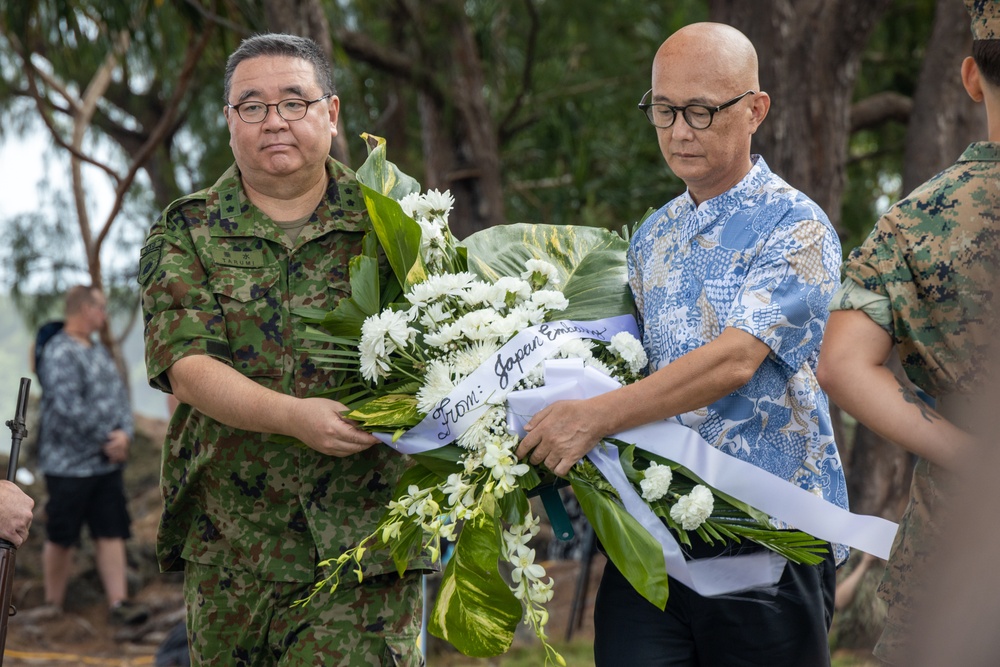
point(981, 151)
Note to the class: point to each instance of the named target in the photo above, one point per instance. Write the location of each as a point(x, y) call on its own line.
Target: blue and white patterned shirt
point(762, 258)
point(83, 400)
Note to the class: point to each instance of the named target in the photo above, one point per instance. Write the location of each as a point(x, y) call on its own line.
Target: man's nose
point(681, 129)
point(273, 120)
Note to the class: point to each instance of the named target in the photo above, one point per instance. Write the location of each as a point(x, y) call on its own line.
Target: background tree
point(524, 109)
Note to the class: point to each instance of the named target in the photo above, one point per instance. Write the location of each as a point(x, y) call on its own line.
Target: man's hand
point(15, 513)
point(319, 425)
point(561, 434)
point(116, 446)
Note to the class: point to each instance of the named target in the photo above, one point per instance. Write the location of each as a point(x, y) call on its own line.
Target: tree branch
point(504, 129)
point(360, 46)
point(880, 108)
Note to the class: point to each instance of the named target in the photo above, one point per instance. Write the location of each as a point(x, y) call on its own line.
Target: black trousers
point(785, 626)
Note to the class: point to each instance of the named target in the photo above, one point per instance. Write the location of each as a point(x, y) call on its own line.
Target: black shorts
point(100, 501)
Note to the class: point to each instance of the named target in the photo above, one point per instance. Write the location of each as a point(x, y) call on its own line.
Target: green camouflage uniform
point(927, 273)
point(219, 278)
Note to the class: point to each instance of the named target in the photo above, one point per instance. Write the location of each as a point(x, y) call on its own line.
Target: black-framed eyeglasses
point(697, 116)
point(291, 109)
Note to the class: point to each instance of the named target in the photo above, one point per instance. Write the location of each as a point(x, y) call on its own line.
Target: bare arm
point(15, 513)
point(561, 434)
point(852, 373)
point(226, 395)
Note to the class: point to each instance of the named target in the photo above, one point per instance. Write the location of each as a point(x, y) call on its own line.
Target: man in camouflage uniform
point(246, 515)
point(923, 281)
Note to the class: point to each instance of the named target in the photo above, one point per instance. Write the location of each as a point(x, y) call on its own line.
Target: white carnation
point(656, 482)
point(630, 349)
point(540, 273)
point(550, 299)
point(691, 510)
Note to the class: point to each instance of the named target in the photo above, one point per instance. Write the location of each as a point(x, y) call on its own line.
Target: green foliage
point(473, 594)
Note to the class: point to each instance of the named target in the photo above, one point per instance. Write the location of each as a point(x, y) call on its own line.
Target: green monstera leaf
point(591, 263)
point(475, 610)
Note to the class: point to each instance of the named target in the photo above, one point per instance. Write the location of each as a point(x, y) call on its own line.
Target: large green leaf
point(591, 262)
point(389, 411)
point(630, 546)
point(381, 175)
point(383, 184)
point(475, 610)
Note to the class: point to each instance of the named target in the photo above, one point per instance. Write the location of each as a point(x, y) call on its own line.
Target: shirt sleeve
point(852, 296)
point(181, 315)
point(784, 300)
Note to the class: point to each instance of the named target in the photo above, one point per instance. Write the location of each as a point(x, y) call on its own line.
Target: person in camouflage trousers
point(923, 281)
point(247, 515)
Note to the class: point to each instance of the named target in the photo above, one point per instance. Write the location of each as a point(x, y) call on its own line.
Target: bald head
point(712, 51)
point(708, 69)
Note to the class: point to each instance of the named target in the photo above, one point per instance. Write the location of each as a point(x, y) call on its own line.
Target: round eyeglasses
point(697, 116)
point(290, 109)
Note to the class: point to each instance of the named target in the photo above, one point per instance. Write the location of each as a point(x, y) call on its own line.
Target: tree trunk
point(945, 119)
point(307, 18)
point(810, 54)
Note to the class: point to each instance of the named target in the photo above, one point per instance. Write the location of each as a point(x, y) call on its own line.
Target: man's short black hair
point(280, 44)
point(986, 53)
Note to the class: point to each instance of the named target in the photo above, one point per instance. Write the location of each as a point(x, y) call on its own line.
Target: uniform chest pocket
point(254, 310)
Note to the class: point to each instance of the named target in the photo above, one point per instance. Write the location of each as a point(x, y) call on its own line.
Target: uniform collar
point(981, 151)
point(341, 209)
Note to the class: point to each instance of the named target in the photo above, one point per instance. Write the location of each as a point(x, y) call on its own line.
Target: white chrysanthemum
point(438, 286)
point(434, 315)
point(540, 273)
point(431, 240)
point(396, 327)
point(576, 348)
point(469, 358)
point(478, 325)
point(485, 429)
point(477, 294)
point(410, 204)
point(438, 204)
point(373, 359)
point(550, 299)
point(656, 482)
point(509, 291)
point(438, 383)
point(630, 349)
point(443, 337)
point(599, 366)
point(691, 510)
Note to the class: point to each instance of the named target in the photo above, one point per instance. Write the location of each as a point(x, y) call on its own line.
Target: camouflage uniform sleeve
point(181, 316)
point(852, 296)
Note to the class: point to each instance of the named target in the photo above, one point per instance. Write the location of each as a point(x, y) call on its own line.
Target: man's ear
point(759, 108)
point(971, 79)
point(334, 114)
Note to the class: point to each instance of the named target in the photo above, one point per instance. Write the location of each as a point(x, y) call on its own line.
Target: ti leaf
point(633, 550)
point(391, 410)
point(475, 610)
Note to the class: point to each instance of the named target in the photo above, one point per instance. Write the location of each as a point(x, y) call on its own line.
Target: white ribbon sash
point(568, 379)
point(490, 383)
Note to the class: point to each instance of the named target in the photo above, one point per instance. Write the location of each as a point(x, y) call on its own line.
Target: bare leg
point(57, 563)
point(110, 555)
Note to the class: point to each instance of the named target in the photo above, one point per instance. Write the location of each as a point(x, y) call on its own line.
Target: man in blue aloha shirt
point(732, 280)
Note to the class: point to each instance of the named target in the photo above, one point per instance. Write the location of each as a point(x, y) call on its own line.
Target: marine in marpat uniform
point(924, 281)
